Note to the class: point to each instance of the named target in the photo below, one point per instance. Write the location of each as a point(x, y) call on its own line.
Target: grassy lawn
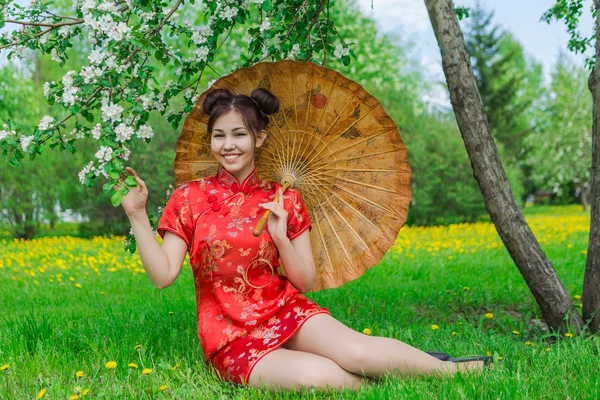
point(70, 305)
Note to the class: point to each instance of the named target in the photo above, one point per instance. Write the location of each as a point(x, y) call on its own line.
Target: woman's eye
point(240, 134)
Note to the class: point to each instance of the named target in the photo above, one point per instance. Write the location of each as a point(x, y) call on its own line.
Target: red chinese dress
point(238, 324)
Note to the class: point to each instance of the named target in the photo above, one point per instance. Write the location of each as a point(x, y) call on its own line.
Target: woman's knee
point(354, 356)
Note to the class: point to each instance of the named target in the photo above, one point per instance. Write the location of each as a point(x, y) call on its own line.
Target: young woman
point(255, 326)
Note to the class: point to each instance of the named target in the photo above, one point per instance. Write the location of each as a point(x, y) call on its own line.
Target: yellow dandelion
point(102, 292)
point(175, 367)
point(580, 305)
point(146, 371)
point(74, 397)
point(569, 335)
point(577, 296)
point(434, 327)
point(4, 367)
point(137, 347)
point(85, 391)
point(547, 349)
point(466, 288)
point(453, 333)
point(367, 331)
point(489, 315)
point(78, 285)
point(111, 365)
point(163, 387)
point(487, 353)
point(528, 343)
point(447, 291)
point(170, 313)
point(79, 374)
point(132, 365)
point(72, 279)
point(516, 332)
point(41, 393)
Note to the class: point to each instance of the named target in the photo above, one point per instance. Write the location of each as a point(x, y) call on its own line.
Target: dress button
point(216, 207)
point(235, 187)
point(212, 198)
point(247, 190)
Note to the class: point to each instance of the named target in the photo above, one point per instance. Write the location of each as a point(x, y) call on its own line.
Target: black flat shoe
point(439, 355)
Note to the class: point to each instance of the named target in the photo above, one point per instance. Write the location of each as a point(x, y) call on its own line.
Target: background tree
point(559, 152)
point(554, 301)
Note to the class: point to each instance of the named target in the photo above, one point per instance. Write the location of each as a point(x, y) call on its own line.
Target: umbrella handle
point(262, 222)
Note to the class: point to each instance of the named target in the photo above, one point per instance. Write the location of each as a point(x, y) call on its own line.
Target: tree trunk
point(591, 280)
point(585, 196)
point(555, 303)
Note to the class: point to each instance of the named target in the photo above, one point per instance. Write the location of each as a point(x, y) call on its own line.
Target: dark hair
point(253, 109)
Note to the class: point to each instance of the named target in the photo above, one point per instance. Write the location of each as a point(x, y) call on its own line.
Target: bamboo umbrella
point(342, 151)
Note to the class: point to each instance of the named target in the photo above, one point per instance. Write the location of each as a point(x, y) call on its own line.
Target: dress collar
point(229, 181)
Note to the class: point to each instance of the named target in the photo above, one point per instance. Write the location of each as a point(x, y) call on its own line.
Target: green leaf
point(113, 175)
point(116, 198)
point(267, 5)
point(130, 181)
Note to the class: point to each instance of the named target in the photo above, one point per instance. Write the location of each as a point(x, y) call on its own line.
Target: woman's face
point(233, 145)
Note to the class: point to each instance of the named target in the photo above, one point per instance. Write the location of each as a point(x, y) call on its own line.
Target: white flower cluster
point(89, 74)
point(294, 51)
point(340, 51)
point(69, 97)
point(106, 25)
point(5, 133)
point(201, 35)
point(47, 89)
point(45, 123)
point(228, 13)
point(91, 168)
point(104, 154)
point(97, 132)
point(110, 112)
point(145, 132)
point(266, 25)
point(123, 132)
point(25, 141)
point(200, 54)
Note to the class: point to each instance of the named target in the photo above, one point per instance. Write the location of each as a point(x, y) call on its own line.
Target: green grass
point(50, 328)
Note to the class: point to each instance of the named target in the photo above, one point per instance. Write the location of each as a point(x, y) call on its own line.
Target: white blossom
point(145, 132)
point(96, 57)
point(123, 132)
point(111, 112)
point(45, 123)
point(340, 51)
point(228, 13)
point(55, 56)
point(294, 52)
point(266, 25)
point(47, 89)
point(211, 83)
point(4, 134)
point(201, 53)
point(104, 154)
point(97, 132)
point(88, 168)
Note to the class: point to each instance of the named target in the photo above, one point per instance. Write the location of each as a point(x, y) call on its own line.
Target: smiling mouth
point(231, 157)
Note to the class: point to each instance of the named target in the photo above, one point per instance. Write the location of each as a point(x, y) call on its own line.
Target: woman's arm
point(162, 263)
point(296, 254)
point(298, 261)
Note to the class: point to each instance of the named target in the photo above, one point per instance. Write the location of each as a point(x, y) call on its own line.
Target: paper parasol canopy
point(345, 152)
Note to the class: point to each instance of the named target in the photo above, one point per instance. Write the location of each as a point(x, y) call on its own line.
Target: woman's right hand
point(135, 200)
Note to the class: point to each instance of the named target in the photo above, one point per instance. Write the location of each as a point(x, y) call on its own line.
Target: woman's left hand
point(277, 223)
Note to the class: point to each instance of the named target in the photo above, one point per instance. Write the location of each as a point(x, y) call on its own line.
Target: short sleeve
point(298, 219)
point(177, 216)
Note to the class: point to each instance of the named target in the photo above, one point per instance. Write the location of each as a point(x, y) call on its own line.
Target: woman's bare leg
point(372, 356)
point(289, 369)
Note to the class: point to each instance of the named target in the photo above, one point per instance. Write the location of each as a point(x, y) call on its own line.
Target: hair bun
point(214, 97)
point(267, 101)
